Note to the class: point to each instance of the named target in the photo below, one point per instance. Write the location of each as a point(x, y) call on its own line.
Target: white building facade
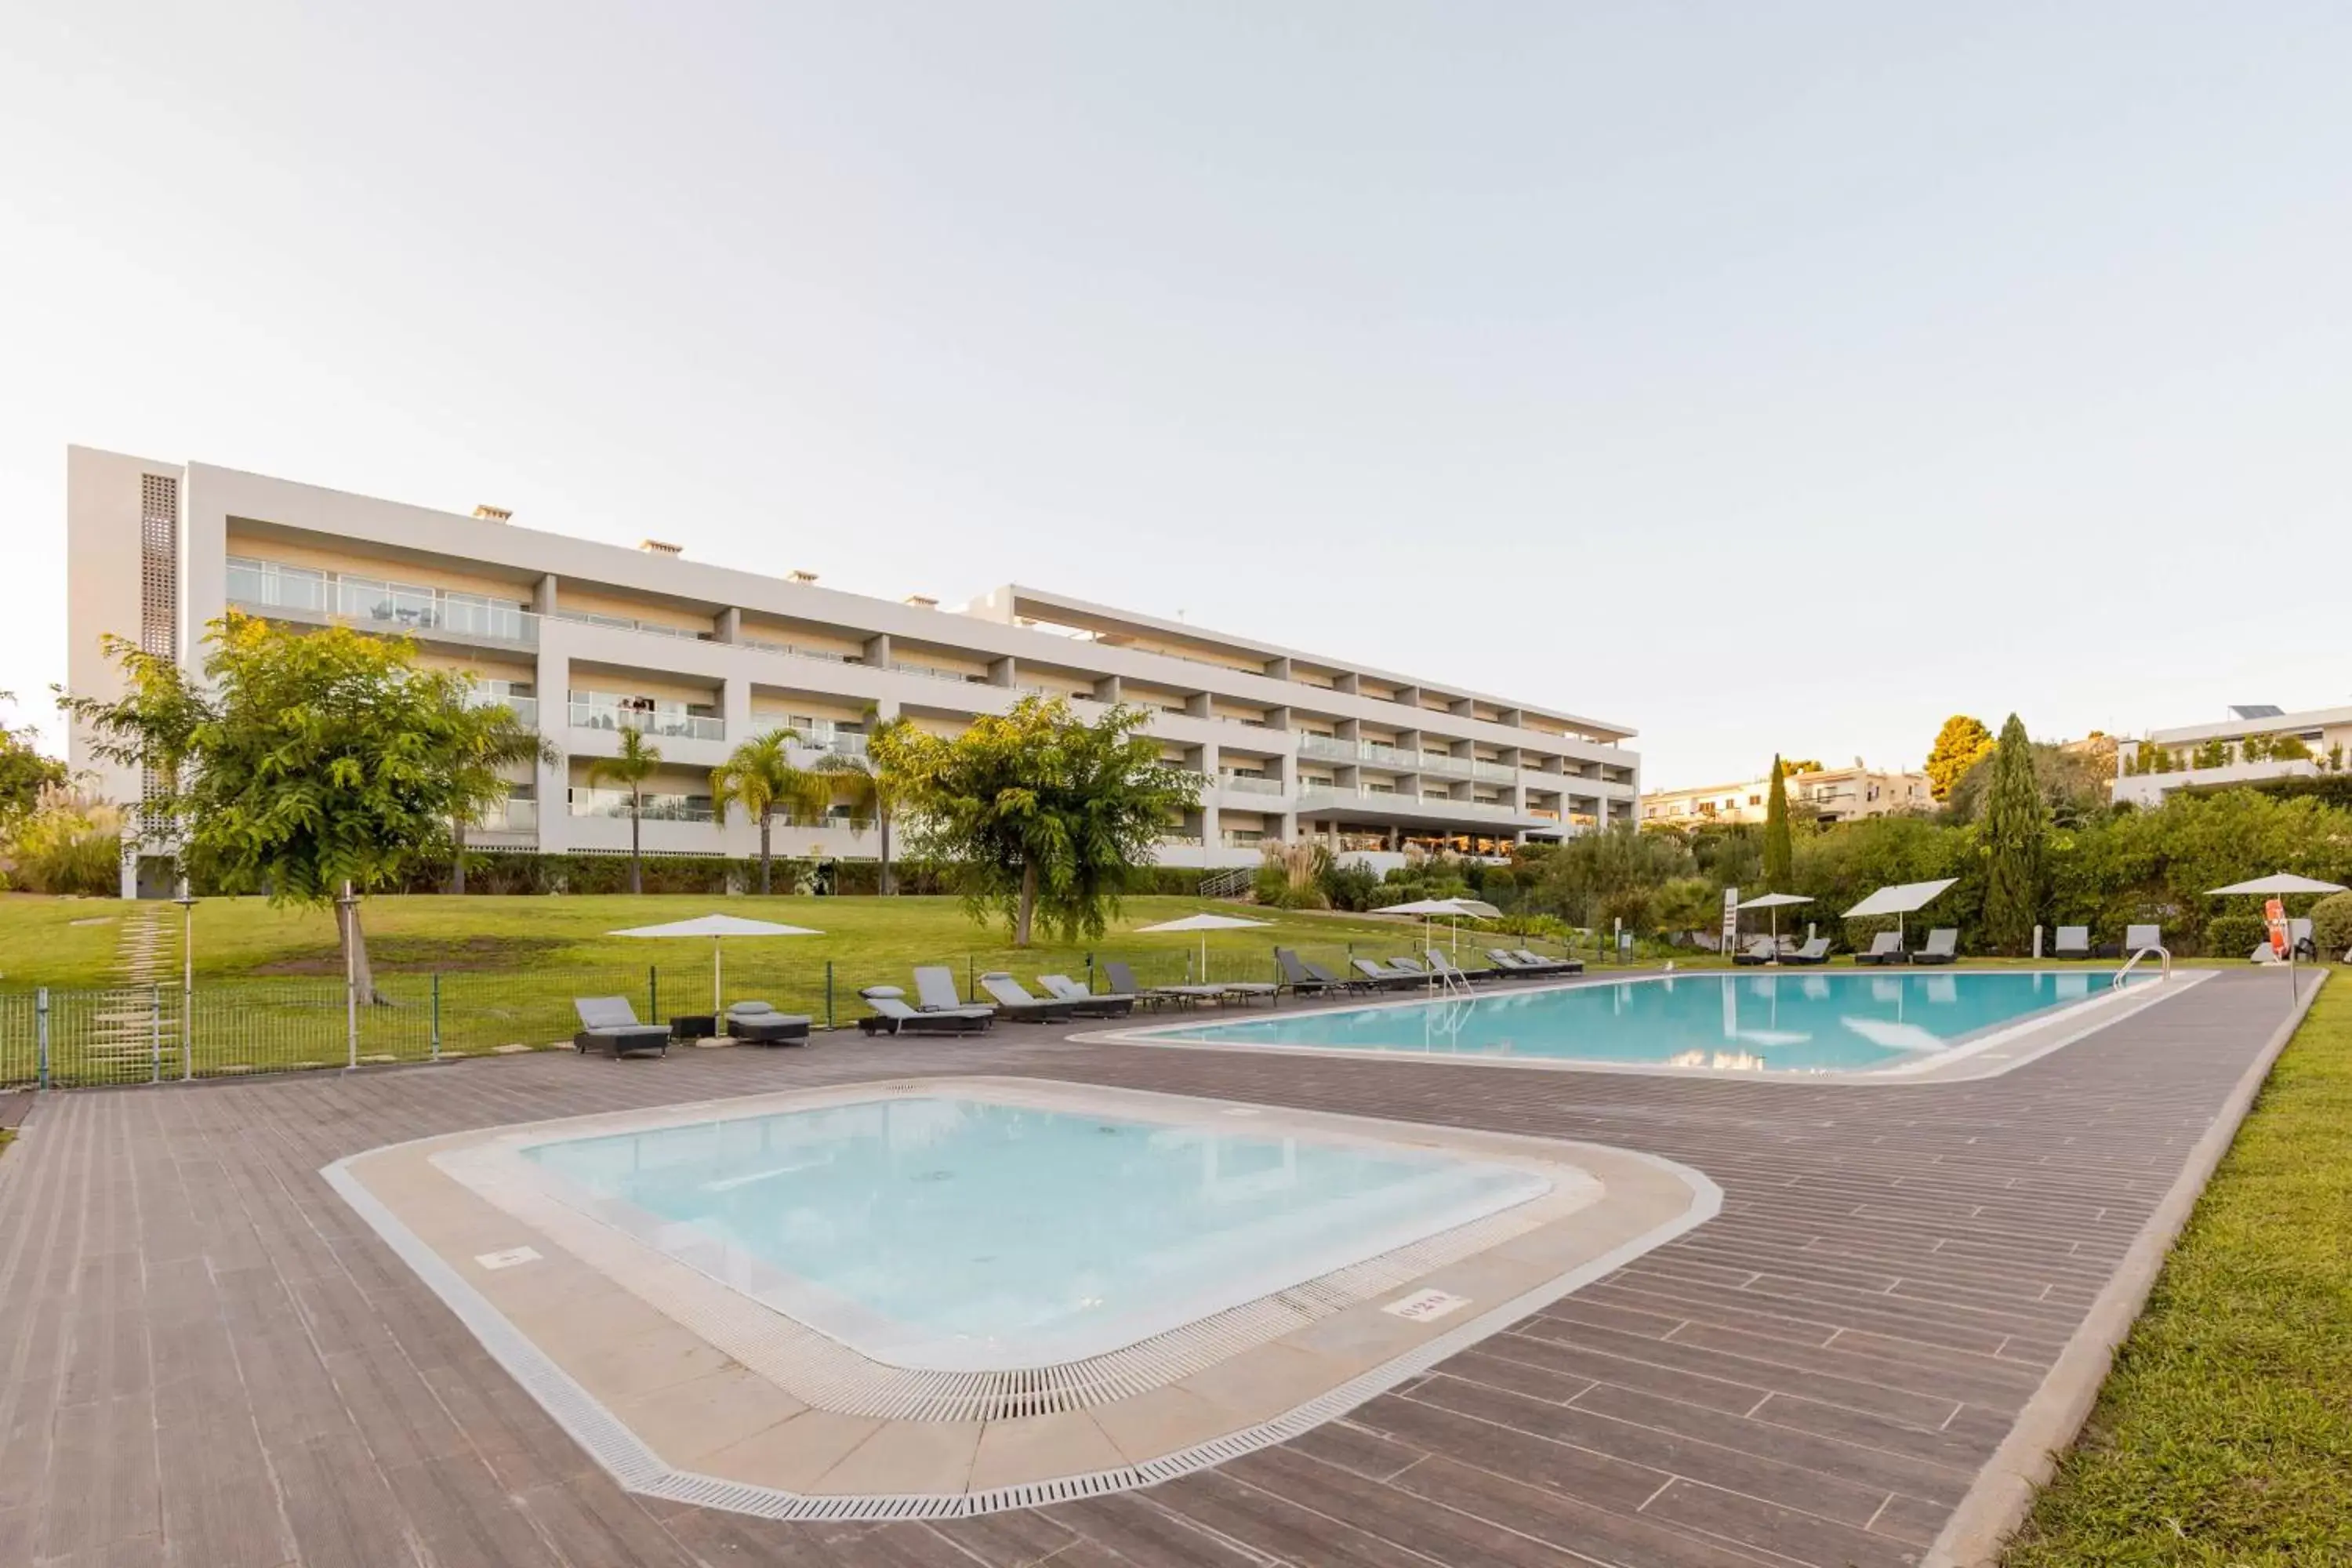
point(2241, 749)
point(583, 639)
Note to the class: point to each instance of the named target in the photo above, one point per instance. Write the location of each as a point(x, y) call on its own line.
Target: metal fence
point(62, 1039)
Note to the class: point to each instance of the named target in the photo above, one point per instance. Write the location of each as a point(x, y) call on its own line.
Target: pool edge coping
point(1930, 1071)
point(633, 1463)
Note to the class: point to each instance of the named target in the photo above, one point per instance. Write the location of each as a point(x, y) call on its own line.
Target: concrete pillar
point(735, 709)
point(1279, 669)
point(552, 678)
point(1107, 690)
point(878, 651)
point(729, 625)
point(1196, 705)
point(1004, 671)
point(1347, 681)
point(542, 597)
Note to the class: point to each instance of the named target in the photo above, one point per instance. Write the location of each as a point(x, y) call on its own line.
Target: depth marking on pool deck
point(212, 1360)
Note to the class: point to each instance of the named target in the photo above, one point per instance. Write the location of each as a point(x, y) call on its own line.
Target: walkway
point(205, 1358)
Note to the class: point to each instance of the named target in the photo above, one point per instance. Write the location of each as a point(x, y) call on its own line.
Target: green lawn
point(474, 974)
point(2224, 1433)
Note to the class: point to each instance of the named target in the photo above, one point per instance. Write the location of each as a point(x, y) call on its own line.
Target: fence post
point(653, 993)
point(41, 1029)
point(1090, 969)
point(970, 970)
point(437, 1015)
point(155, 1034)
point(828, 993)
point(188, 1032)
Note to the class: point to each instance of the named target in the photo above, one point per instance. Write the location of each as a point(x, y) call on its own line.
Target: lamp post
point(187, 902)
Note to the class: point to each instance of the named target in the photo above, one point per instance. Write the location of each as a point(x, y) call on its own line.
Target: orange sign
point(2274, 913)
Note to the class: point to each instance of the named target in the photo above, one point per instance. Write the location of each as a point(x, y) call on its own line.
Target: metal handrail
point(2164, 953)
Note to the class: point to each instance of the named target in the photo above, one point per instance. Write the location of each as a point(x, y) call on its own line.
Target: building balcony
point(266, 587)
point(611, 716)
point(595, 802)
point(525, 709)
point(513, 816)
point(1246, 783)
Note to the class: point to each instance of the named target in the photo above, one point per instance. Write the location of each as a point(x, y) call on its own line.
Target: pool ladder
point(2163, 953)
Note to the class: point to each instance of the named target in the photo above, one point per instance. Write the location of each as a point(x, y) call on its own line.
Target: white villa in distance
point(1836, 795)
point(2325, 734)
point(583, 639)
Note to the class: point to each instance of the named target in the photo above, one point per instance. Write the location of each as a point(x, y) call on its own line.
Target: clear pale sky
point(1765, 377)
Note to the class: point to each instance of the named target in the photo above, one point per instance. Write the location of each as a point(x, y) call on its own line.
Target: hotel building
point(2236, 751)
point(583, 639)
point(1835, 794)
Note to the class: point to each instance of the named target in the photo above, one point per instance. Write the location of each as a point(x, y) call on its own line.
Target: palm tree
point(633, 767)
point(759, 776)
point(873, 788)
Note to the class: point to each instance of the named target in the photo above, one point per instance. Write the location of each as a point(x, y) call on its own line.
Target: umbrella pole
point(715, 1004)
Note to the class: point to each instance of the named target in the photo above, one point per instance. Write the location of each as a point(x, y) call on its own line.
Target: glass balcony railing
point(526, 709)
point(1246, 784)
point(609, 716)
point(514, 816)
point(268, 585)
point(587, 802)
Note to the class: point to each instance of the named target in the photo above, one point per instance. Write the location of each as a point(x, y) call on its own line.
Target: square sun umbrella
point(2279, 886)
point(1457, 910)
point(1899, 901)
point(1205, 922)
point(1776, 902)
point(718, 928)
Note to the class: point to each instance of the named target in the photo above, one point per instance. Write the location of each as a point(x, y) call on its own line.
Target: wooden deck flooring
point(206, 1360)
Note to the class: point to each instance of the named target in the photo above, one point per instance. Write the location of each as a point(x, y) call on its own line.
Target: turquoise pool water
point(1844, 1021)
point(961, 1234)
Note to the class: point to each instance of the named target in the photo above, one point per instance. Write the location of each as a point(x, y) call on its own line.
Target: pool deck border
point(2040, 1032)
point(1563, 1239)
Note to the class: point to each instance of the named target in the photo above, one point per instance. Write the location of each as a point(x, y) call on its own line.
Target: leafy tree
point(1959, 746)
point(759, 776)
point(1037, 813)
point(876, 791)
point(2074, 785)
point(2016, 834)
point(1777, 851)
point(24, 773)
point(637, 761)
point(1612, 874)
point(1687, 904)
point(1809, 766)
point(306, 764)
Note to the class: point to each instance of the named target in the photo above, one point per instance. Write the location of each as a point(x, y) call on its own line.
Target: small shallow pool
point(1845, 1020)
point(956, 1234)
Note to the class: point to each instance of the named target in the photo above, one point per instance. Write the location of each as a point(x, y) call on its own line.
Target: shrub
point(70, 844)
point(2234, 936)
point(2331, 924)
point(1350, 887)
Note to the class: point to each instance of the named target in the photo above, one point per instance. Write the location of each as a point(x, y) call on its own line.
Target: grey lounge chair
point(891, 1016)
point(1529, 967)
point(2074, 942)
point(1088, 1003)
point(1014, 1001)
point(1817, 951)
point(609, 1023)
point(935, 990)
point(1379, 978)
point(1122, 978)
point(1763, 950)
point(1443, 964)
point(1305, 978)
point(1565, 965)
point(1886, 947)
point(1943, 946)
point(2138, 939)
point(761, 1024)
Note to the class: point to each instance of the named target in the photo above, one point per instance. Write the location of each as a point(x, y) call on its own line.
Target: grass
point(474, 974)
point(2224, 1433)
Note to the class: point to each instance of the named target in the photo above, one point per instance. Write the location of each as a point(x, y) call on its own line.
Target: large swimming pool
point(957, 1234)
point(1841, 1022)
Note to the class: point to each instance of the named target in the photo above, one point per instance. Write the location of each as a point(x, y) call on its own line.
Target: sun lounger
point(1565, 965)
point(935, 990)
point(891, 1016)
point(1817, 951)
point(1408, 964)
point(762, 1025)
point(1122, 978)
point(609, 1023)
point(1512, 963)
point(1088, 1004)
point(1444, 965)
point(1380, 977)
point(2137, 938)
point(2074, 942)
point(1763, 950)
point(1886, 947)
point(1943, 946)
point(1012, 1000)
point(1305, 978)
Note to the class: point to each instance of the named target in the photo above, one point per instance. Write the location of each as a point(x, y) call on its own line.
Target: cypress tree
point(2016, 826)
point(1778, 853)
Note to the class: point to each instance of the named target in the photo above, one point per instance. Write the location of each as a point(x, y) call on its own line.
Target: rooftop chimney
point(923, 602)
point(657, 547)
point(802, 577)
point(493, 514)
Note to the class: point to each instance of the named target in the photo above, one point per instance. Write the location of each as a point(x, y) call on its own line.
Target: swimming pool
point(1841, 1022)
point(961, 1234)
